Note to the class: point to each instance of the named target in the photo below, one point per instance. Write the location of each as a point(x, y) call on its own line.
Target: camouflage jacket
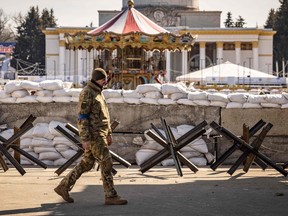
point(93, 115)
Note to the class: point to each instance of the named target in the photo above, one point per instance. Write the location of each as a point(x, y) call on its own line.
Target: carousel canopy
point(129, 28)
point(128, 21)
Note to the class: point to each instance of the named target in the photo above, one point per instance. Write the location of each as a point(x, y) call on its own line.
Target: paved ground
point(157, 192)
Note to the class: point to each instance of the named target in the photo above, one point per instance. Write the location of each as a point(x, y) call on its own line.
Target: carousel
point(130, 47)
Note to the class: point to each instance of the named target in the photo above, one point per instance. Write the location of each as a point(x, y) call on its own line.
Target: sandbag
point(186, 102)
point(20, 93)
point(270, 105)
point(8, 100)
point(153, 94)
point(7, 133)
point(68, 153)
point(132, 100)
point(234, 105)
point(155, 87)
point(64, 99)
point(49, 156)
point(198, 161)
point(177, 96)
point(60, 162)
point(144, 154)
point(27, 99)
point(12, 86)
point(44, 93)
point(170, 88)
point(166, 101)
point(53, 124)
point(131, 94)
point(276, 98)
point(149, 101)
point(30, 85)
point(238, 97)
point(197, 95)
point(251, 106)
point(153, 145)
point(218, 104)
point(256, 99)
point(42, 130)
point(45, 99)
point(75, 92)
point(218, 97)
point(202, 102)
point(3, 94)
point(111, 93)
point(25, 142)
point(51, 84)
point(62, 93)
point(43, 149)
point(74, 99)
point(115, 100)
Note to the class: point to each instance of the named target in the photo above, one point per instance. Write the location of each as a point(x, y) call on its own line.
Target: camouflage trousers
point(98, 152)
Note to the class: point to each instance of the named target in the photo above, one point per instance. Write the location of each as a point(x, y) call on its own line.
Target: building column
point(255, 55)
point(219, 45)
point(66, 64)
point(71, 66)
point(184, 62)
point(238, 52)
point(202, 55)
point(61, 62)
point(168, 65)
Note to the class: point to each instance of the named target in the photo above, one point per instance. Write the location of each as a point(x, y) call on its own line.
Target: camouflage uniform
point(94, 126)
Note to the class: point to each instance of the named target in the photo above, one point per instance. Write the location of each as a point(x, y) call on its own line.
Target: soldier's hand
point(86, 145)
point(109, 140)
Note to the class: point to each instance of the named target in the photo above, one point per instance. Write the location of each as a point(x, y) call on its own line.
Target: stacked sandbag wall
point(137, 109)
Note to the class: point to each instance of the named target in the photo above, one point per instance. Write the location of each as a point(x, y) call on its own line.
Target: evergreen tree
point(47, 19)
point(280, 25)
point(30, 39)
point(271, 19)
point(240, 22)
point(229, 21)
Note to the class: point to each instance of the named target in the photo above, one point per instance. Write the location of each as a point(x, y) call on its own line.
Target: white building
point(249, 47)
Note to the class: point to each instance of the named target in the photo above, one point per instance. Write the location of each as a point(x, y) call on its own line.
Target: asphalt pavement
point(159, 191)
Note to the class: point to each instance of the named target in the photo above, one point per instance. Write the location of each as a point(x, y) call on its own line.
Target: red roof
point(128, 21)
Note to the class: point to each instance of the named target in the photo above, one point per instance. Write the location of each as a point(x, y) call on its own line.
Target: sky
point(79, 13)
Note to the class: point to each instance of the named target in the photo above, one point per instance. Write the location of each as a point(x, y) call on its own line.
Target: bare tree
point(17, 19)
point(6, 32)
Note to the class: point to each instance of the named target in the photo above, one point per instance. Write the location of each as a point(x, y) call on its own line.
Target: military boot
point(63, 191)
point(115, 201)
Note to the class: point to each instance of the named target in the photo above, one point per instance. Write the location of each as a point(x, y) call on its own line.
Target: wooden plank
point(17, 143)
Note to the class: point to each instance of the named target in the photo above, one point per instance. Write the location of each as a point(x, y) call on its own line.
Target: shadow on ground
point(235, 196)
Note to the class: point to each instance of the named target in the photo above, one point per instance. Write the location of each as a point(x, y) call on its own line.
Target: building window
point(246, 46)
point(229, 46)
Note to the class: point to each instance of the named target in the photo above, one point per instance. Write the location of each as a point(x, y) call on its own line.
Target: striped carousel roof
point(128, 21)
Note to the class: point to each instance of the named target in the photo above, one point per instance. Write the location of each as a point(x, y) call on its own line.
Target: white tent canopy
point(231, 74)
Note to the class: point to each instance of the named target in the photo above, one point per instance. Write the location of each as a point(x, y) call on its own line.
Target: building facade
point(249, 47)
